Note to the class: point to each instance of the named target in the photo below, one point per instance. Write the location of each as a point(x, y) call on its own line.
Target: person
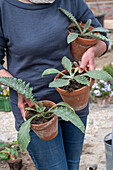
point(33, 37)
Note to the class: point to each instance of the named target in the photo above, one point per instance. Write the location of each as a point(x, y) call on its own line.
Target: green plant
point(64, 111)
point(9, 153)
point(85, 32)
point(109, 69)
point(81, 78)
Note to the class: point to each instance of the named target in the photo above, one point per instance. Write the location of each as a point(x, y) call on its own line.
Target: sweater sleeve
point(2, 45)
point(83, 13)
point(2, 49)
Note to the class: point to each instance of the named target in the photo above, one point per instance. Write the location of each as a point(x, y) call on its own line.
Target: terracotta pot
point(78, 99)
point(102, 102)
point(80, 45)
point(48, 130)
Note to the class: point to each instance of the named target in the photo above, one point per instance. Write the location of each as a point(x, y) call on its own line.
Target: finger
point(80, 70)
point(22, 109)
point(90, 67)
point(29, 103)
point(76, 64)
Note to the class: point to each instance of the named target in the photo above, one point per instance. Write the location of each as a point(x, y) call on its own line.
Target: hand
point(23, 102)
point(87, 62)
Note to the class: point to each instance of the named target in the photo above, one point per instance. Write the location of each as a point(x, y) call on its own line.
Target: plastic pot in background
point(109, 151)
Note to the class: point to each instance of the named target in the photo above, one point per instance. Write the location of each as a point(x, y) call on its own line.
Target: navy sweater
point(34, 37)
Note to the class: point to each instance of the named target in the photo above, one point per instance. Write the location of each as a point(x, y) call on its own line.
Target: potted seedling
point(46, 110)
point(9, 153)
point(74, 88)
point(82, 36)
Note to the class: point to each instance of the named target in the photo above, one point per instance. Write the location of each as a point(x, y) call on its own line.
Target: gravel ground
point(100, 122)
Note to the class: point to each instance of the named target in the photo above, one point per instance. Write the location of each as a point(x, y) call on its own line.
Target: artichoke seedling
point(65, 80)
point(84, 31)
point(65, 111)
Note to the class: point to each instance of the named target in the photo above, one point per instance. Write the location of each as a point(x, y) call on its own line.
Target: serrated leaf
point(59, 83)
point(82, 80)
point(69, 115)
point(71, 37)
point(50, 71)
point(88, 23)
point(20, 86)
point(99, 74)
point(98, 36)
point(67, 64)
point(71, 17)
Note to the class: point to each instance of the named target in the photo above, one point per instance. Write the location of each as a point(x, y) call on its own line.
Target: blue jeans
point(61, 153)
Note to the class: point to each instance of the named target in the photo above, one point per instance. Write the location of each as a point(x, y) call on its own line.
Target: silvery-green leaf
point(71, 17)
point(98, 36)
point(99, 74)
point(100, 29)
point(67, 64)
point(50, 71)
point(23, 137)
point(59, 83)
point(82, 80)
point(88, 23)
point(69, 115)
point(71, 37)
point(66, 77)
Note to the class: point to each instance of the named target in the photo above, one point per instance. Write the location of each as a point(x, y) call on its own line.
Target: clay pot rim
point(78, 91)
point(83, 39)
point(54, 116)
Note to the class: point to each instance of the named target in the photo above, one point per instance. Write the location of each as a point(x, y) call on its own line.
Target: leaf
point(71, 37)
point(98, 36)
point(41, 104)
point(59, 83)
point(4, 156)
point(23, 136)
point(99, 74)
point(66, 77)
point(67, 64)
point(82, 80)
point(100, 29)
point(71, 17)
point(14, 152)
point(28, 108)
point(88, 23)
point(69, 115)
point(64, 104)
point(50, 71)
point(20, 86)
point(2, 145)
